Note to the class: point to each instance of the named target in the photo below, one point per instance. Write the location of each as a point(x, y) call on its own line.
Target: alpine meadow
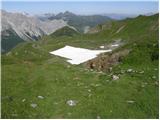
point(64, 64)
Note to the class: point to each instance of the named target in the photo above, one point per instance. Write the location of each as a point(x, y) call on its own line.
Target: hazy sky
point(82, 7)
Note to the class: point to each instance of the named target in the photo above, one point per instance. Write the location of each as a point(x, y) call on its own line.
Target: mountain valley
point(118, 84)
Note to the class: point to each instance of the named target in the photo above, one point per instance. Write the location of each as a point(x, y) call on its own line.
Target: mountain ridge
point(81, 21)
point(28, 28)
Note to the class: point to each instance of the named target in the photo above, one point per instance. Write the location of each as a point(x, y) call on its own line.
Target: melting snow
point(77, 55)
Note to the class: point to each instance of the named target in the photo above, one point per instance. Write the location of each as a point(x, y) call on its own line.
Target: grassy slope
point(65, 31)
point(29, 71)
point(10, 41)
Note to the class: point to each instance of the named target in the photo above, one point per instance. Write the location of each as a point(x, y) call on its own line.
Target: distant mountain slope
point(29, 27)
point(33, 27)
point(80, 22)
point(26, 27)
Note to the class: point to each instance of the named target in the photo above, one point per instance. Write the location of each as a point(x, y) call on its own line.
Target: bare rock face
point(29, 27)
point(99, 28)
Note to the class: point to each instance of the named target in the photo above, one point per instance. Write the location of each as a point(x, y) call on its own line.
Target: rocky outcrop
point(104, 62)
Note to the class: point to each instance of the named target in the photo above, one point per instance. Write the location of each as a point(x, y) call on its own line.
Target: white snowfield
point(77, 55)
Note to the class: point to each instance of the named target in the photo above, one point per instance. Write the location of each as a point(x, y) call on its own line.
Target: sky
point(82, 7)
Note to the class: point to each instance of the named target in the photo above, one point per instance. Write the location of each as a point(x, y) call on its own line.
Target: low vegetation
point(128, 90)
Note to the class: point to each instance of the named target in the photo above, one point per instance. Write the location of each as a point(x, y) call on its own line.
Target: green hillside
point(65, 31)
point(29, 71)
point(9, 40)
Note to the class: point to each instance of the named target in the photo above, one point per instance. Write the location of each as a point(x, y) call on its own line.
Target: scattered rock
point(130, 101)
point(122, 71)
point(25, 51)
point(156, 83)
point(16, 53)
point(68, 66)
point(89, 95)
point(10, 98)
point(142, 85)
point(91, 70)
point(14, 115)
point(80, 84)
point(33, 105)
point(96, 85)
point(154, 77)
point(5, 97)
point(145, 83)
point(86, 87)
point(40, 97)
point(9, 53)
point(110, 69)
point(55, 103)
point(115, 77)
point(71, 102)
point(34, 45)
point(110, 74)
point(101, 47)
point(107, 80)
point(115, 45)
point(136, 71)
point(100, 72)
point(89, 90)
point(69, 113)
point(154, 44)
point(129, 70)
point(98, 117)
point(155, 69)
point(76, 78)
point(141, 72)
point(23, 100)
point(134, 44)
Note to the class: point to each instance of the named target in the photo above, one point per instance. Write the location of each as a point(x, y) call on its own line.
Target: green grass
point(65, 31)
point(26, 75)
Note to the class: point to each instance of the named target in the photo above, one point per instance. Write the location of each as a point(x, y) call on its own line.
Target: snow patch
point(77, 55)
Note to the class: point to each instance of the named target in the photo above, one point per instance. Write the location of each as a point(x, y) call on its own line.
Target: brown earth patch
point(104, 62)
